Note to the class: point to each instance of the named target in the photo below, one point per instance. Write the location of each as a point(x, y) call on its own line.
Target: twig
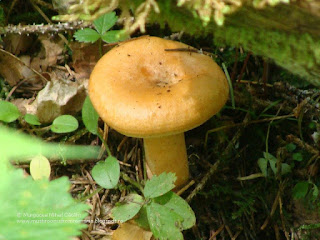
point(182, 190)
point(246, 124)
point(19, 60)
point(214, 167)
point(244, 66)
point(217, 232)
point(42, 28)
point(35, 6)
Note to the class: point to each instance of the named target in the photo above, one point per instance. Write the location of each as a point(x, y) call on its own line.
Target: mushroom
point(141, 89)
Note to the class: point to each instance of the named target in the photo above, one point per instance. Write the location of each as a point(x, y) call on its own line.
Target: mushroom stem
point(168, 154)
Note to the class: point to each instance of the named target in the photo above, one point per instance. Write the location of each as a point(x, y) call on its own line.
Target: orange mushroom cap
point(141, 90)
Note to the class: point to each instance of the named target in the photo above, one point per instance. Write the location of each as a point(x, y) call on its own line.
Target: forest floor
point(237, 191)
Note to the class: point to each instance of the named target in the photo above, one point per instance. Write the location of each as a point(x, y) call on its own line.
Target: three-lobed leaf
point(114, 36)
point(159, 185)
point(86, 35)
point(8, 112)
point(64, 124)
point(164, 223)
point(178, 205)
point(105, 22)
point(107, 173)
point(127, 210)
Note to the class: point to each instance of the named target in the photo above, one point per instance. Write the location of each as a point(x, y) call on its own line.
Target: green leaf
point(64, 124)
point(114, 36)
point(142, 219)
point(291, 147)
point(126, 211)
point(164, 223)
point(90, 116)
point(178, 205)
point(269, 156)
point(86, 35)
point(273, 166)
point(8, 112)
point(40, 167)
point(315, 192)
point(38, 209)
point(107, 173)
point(32, 119)
point(300, 190)
point(297, 157)
point(285, 168)
point(263, 165)
point(32, 146)
point(105, 22)
point(159, 185)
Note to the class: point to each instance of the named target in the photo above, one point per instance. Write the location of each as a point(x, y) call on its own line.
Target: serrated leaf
point(113, 36)
point(178, 205)
point(142, 219)
point(105, 22)
point(40, 167)
point(300, 190)
point(127, 210)
point(64, 124)
point(164, 223)
point(31, 146)
point(8, 112)
point(38, 209)
point(90, 116)
point(86, 35)
point(107, 173)
point(263, 165)
point(32, 119)
point(159, 185)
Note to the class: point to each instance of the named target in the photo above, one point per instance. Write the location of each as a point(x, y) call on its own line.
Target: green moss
point(293, 52)
point(272, 33)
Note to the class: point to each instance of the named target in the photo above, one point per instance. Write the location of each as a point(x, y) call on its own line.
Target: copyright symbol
point(18, 215)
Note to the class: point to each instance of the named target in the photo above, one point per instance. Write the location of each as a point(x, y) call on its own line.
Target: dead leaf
point(129, 230)
point(51, 52)
point(24, 105)
point(13, 69)
point(84, 58)
point(60, 96)
point(17, 44)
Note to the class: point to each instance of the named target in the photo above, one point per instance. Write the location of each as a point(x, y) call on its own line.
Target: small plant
point(270, 160)
point(102, 26)
point(158, 209)
point(37, 209)
point(62, 124)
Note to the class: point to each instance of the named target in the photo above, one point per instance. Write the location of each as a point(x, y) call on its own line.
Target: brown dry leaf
point(24, 105)
point(14, 69)
point(51, 52)
point(84, 58)
point(60, 96)
point(129, 230)
point(17, 44)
